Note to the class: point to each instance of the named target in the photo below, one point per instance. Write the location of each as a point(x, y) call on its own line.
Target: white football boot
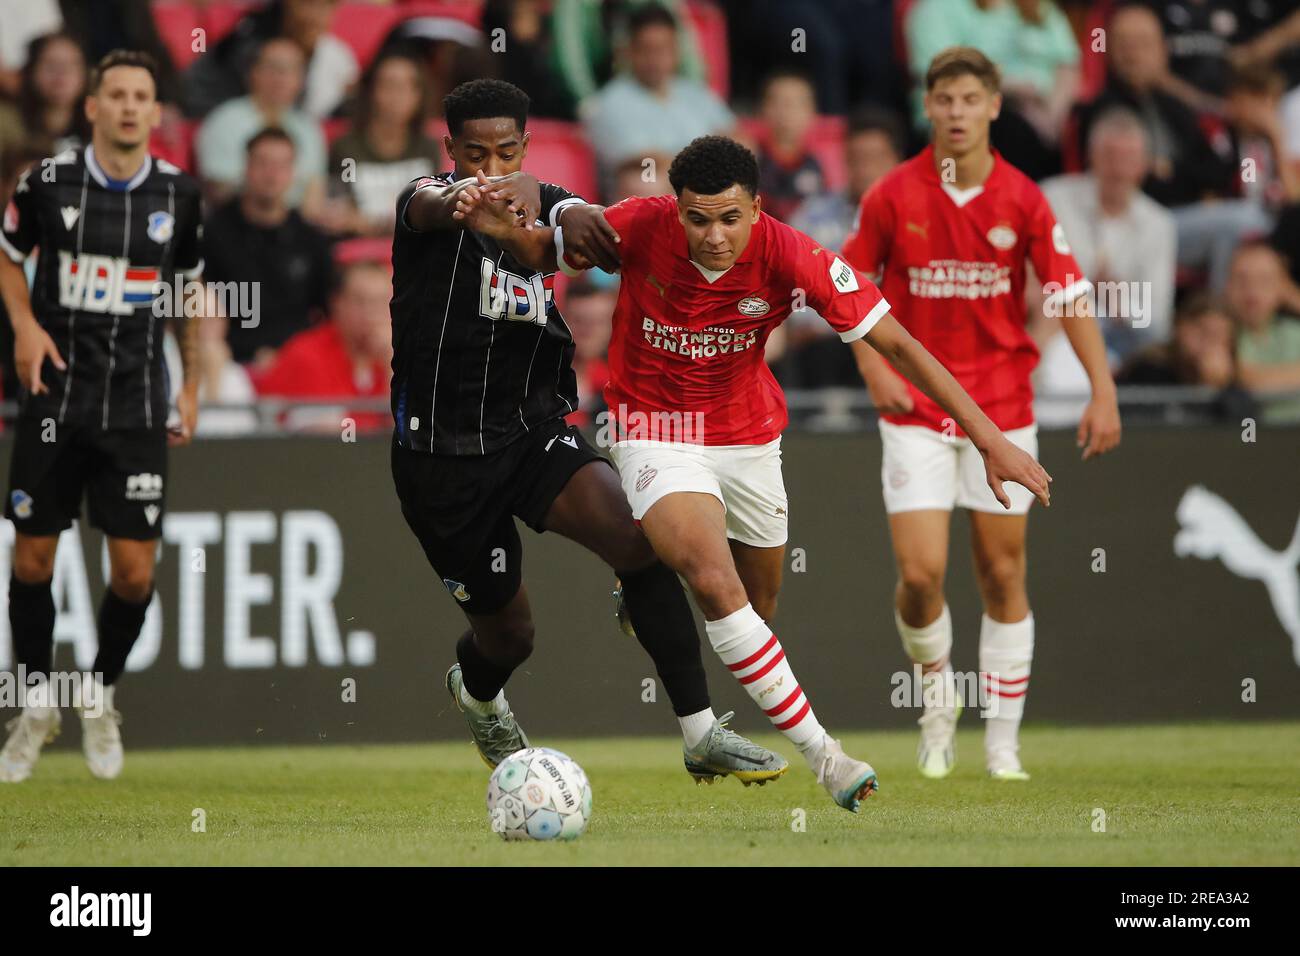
point(848, 781)
point(101, 740)
point(1004, 764)
point(28, 733)
point(937, 753)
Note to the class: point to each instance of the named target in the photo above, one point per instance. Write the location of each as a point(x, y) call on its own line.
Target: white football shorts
point(925, 469)
point(745, 478)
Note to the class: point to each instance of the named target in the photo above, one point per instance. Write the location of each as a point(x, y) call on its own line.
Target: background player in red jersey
point(951, 231)
point(698, 415)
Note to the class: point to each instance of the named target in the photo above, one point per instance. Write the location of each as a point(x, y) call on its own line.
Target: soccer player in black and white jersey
point(482, 381)
point(110, 224)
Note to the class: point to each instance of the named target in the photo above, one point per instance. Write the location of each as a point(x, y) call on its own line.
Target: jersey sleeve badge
point(843, 276)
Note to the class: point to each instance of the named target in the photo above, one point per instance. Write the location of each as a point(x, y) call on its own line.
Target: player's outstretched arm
point(430, 208)
point(32, 344)
point(1099, 427)
point(1003, 461)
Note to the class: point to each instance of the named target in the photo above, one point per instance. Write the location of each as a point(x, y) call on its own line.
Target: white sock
point(926, 645)
point(1006, 651)
point(696, 726)
point(497, 705)
point(755, 657)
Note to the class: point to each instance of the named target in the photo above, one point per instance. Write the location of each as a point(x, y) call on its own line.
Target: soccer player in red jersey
point(951, 231)
point(698, 416)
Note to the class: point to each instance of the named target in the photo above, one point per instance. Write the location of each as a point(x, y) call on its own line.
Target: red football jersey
point(686, 354)
point(953, 265)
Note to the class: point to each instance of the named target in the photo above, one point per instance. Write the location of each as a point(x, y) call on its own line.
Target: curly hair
point(484, 99)
point(713, 164)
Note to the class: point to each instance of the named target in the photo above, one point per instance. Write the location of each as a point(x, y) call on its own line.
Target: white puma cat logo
point(1211, 528)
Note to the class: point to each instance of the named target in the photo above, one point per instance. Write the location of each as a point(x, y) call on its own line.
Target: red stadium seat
point(363, 27)
point(558, 153)
point(177, 19)
point(368, 249)
point(174, 142)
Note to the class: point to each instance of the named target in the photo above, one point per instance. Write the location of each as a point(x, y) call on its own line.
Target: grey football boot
point(724, 753)
point(495, 737)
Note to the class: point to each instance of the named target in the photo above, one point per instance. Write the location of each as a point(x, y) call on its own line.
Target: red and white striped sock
point(754, 655)
point(1006, 651)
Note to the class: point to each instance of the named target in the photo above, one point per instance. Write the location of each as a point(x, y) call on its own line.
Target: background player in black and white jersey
point(109, 224)
point(482, 380)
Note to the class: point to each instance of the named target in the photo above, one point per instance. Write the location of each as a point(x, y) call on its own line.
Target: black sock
point(664, 625)
point(483, 679)
point(31, 622)
point(119, 626)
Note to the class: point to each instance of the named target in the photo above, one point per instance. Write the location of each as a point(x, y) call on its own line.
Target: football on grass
point(538, 794)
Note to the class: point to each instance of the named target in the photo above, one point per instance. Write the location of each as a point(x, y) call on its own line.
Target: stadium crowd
point(1166, 136)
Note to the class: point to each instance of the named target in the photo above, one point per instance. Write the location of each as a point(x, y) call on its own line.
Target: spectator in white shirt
point(273, 83)
point(650, 109)
point(1125, 242)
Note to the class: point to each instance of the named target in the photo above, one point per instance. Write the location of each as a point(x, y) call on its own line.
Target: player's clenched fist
point(589, 239)
point(1006, 462)
point(32, 345)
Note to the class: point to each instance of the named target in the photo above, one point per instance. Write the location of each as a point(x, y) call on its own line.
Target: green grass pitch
point(1191, 794)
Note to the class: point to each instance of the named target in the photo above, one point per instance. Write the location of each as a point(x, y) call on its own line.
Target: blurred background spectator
point(588, 310)
point(650, 108)
point(385, 147)
point(1194, 173)
point(47, 114)
point(257, 237)
point(274, 80)
point(812, 355)
point(347, 356)
point(1202, 350)
point(1118, 235)
point(1033, 45)
point(873, 145)
point(329, 65)
point(1268, 343)
point(788, 171)
point(849, 50)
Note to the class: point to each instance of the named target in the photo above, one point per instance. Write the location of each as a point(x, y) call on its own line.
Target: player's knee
point(717, 589)
point(133, 584)
point(512, 643)
point(33, 565)
point(1001, 577)
point(920, 580)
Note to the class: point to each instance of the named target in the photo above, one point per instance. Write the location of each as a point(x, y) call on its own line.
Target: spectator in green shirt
point(1268, 343)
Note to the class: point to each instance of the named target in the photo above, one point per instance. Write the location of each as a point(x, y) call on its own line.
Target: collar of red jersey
point(932, 171)
point(97, 172)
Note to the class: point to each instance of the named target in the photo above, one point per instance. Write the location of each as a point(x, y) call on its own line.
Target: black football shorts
point(463, 507)
point(122, 473)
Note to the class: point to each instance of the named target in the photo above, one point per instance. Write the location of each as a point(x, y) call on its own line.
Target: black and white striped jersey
point(103, 248)
point(481, 353)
